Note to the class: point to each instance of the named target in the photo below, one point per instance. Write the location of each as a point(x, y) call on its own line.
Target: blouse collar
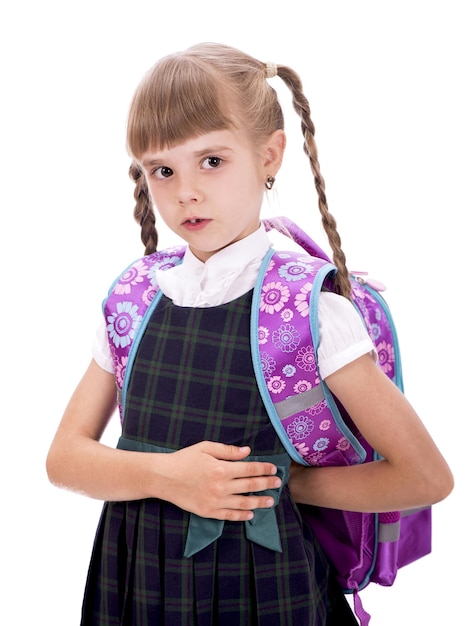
point(227, 275)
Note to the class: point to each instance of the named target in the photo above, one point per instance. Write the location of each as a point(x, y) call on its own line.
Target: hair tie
point(270, 70)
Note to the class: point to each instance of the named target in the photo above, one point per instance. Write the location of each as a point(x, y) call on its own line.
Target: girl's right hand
point(207, 479)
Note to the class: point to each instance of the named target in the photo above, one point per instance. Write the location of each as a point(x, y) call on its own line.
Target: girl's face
point(209, 190)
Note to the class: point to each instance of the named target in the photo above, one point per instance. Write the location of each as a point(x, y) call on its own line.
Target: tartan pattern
point(193, 380)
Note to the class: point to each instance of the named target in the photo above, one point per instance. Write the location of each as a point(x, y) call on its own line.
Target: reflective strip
point(412, 511)
point(389, 532)
point(301, 401)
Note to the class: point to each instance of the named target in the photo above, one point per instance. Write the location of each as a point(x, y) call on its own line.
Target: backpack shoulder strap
point(314, 429)
point(132, 295)
point(284, 339)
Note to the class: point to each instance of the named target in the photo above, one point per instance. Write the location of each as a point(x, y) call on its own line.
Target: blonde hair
point(214, 87)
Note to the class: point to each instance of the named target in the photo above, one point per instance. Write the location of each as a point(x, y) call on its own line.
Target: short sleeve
point(343, 335)
point(101, 350)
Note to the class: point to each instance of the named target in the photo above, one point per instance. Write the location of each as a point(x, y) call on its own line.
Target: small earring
point(269, 182)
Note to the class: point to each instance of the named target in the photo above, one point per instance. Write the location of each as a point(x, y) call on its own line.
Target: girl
point(205, 133)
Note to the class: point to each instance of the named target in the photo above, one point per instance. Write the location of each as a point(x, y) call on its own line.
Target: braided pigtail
point(301, 106)
point(143, 210)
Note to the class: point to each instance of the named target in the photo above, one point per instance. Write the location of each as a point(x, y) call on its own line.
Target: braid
point(301, 106)
point(143, 211)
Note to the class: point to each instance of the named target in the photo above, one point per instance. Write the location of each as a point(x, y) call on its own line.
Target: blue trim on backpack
point(256, 361)
point(398, 380)
point(396, 346)
point(317, 284)
point(367, 579)
point(135, 345)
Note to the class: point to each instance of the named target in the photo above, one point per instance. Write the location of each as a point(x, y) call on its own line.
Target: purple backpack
point(313, 427)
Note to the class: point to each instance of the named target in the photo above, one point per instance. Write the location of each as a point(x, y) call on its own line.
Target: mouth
point(194, 224)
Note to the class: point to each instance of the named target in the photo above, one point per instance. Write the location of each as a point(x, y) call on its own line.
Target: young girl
point(205, 133)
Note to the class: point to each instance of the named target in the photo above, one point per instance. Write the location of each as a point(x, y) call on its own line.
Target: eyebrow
point(150, 162)
point(212, 150)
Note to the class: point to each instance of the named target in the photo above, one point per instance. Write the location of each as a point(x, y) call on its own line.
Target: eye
point(162, 172)
point(212, 162)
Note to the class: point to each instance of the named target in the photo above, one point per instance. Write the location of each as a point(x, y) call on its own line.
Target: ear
point(273, 152)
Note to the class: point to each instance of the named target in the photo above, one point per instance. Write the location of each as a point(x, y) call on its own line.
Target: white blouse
point(229, 274)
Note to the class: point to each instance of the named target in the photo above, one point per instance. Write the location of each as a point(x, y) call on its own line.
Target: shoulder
point(339, 317)
point(338, 310)
point(343, 336)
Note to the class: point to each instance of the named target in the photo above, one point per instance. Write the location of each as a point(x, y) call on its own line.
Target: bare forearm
point(98, 471)
point(413, 472)
point(370, 487)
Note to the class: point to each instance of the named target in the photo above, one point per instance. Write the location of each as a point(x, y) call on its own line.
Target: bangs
point(180, 98)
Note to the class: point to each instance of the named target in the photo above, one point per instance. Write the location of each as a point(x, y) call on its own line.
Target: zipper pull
point(371, 282)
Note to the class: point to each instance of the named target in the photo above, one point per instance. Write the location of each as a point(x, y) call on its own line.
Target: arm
point(202, 478)
point(412, 473)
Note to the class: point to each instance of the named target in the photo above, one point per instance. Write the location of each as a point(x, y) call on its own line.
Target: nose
point(188, 190)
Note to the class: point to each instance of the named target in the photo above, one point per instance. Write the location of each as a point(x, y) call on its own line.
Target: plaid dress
point(193, 380)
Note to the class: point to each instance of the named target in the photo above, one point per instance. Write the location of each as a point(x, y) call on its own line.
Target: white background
point(386, 85)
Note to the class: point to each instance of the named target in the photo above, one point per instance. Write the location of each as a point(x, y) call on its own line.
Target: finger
point(248, 503)
point(234, 515)
point(223, 451)
point(256, 485)
point(254, 468)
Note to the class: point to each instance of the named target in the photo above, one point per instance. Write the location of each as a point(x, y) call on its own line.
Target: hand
point(207, 479)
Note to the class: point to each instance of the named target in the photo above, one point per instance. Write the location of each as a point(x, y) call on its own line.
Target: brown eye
point(163, 172)
point(212, 162)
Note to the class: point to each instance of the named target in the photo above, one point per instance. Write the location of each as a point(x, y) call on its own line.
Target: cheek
point(158, 196)
point(252, 188)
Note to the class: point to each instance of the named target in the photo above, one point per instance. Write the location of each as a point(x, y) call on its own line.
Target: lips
point(195, 223)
